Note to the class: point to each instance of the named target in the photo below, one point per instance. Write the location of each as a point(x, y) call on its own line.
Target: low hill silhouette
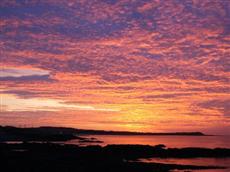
point(9, 133)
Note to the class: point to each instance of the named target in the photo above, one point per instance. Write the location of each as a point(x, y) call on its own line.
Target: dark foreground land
point(37, 157)
point(36, 152)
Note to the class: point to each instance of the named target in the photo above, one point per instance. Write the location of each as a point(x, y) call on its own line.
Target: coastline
point(24, 148)
point(55, 157)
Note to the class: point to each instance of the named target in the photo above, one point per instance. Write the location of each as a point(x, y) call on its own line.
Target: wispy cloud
point(35, 104)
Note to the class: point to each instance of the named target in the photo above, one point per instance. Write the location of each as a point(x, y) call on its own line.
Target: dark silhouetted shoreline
point(29, 155)
point(9, 133)
point(26, 157)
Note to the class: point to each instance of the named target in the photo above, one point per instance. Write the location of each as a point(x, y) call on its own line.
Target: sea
point(171, 142)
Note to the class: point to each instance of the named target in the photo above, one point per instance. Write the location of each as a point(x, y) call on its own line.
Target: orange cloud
point(154, 65)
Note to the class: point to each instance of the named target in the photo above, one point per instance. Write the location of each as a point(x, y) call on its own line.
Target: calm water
point(169, 141)
point(224, 162)
point(173, 142)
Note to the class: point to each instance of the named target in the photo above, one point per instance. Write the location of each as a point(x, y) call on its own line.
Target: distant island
point(103, 132)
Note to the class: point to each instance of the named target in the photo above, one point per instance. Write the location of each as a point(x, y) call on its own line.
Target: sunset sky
point(134, 65)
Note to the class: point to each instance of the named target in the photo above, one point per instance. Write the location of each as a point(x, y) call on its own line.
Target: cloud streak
point(152, 60)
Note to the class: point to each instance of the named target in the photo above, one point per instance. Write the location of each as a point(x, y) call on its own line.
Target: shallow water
point(225, 162)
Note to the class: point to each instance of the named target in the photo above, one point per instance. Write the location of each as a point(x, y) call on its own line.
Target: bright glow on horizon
point(149, 65)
